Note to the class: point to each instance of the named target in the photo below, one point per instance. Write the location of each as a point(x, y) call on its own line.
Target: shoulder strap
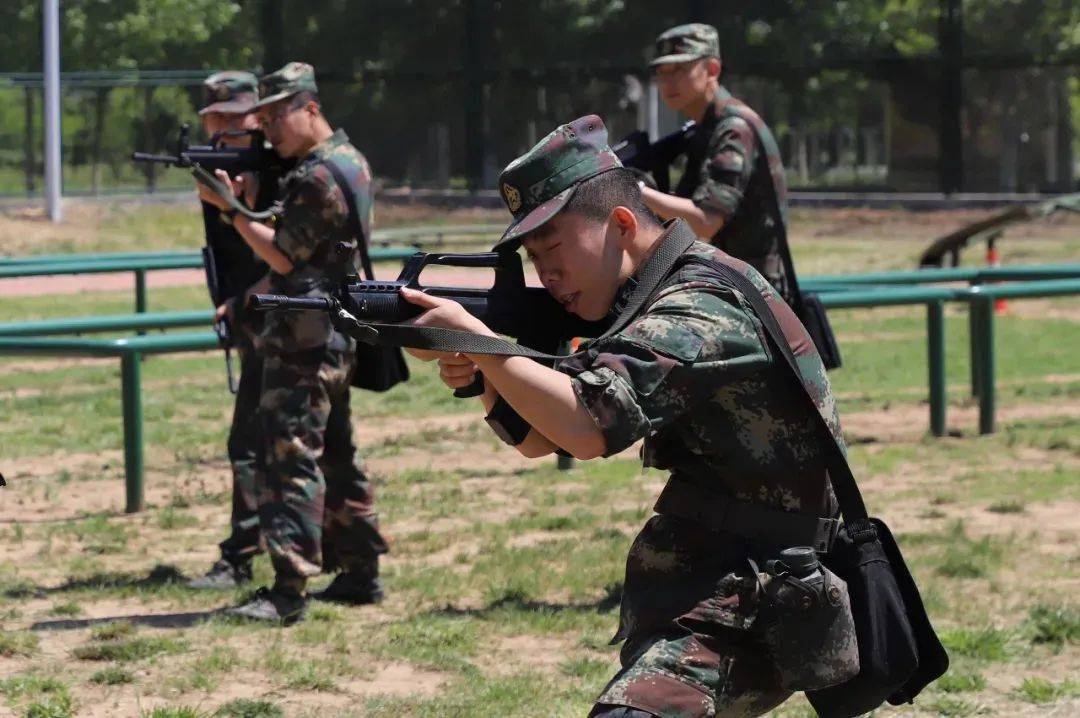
point(354, 216)
point(743, 111)
point(843, 481)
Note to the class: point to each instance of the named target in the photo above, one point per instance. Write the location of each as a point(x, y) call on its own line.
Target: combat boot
point(271, 605)
point(224, 574)
point(354, 588)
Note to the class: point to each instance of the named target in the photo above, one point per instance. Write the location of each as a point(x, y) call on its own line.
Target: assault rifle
point(230, 265)
point(635, 151)
point(529, 314)
point(258, 157)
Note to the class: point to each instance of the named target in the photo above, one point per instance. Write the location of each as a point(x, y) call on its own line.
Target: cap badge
point(513, 197)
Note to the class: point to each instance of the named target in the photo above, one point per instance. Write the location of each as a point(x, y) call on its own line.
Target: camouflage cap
point(229, 92)
point(538, 184)
point(293, 78)
point(685, 43)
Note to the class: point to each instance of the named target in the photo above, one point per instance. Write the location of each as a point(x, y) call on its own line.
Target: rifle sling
point(843, 481)
point(208, 179)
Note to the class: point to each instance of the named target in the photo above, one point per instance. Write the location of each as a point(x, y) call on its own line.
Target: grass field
point(504, 574)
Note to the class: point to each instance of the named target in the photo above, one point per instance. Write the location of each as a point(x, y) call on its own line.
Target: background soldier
point(230, 97)
point(733, 191)
point(692, 376)
point(308, 364)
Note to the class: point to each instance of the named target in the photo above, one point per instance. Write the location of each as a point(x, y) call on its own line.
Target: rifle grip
point(474, 389)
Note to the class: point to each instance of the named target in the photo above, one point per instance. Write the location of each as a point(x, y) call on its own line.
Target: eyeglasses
point(276, 115)
point(673, 71)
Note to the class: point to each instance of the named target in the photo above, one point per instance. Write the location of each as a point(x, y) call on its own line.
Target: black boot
point(354, 588)
point(271, 606)
point(224, 574)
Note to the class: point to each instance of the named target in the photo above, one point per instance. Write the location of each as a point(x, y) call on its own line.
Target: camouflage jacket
point(694, 376)
point(733, 168)
point(314, 220)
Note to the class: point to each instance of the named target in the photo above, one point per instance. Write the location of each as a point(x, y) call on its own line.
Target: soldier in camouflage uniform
point(314, 497)
point(230, 96)
point(733, 191)
point(693, 375)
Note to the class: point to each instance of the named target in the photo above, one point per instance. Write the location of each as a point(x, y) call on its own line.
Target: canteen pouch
point(809, 630)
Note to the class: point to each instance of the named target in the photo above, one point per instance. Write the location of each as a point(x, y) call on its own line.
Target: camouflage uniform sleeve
point(315, 212)
point(728, 165)
point(693, 340)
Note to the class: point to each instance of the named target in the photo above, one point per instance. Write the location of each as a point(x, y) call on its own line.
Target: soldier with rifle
point(733, 191)
point(315, 501)
point(233, 270)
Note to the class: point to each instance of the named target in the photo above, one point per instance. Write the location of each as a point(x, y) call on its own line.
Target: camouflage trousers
point(316, 504)
point(688, 612)
point(244, 446)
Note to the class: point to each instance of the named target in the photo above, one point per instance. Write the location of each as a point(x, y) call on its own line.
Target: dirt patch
point(909, 423)
point(398, 679)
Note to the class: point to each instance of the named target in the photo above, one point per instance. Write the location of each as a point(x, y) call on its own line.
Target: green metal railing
point(837, 292)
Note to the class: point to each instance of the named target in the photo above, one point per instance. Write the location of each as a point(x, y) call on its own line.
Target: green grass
point(246, 708)
point(489, 558)
point(112, 676)
point(132, 649)
point(1056, 625)
point(1040, 690)
point(17, 643)
point(984, 644)
point(958, 682)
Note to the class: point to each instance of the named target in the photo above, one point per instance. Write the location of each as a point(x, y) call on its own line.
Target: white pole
point(51, 17)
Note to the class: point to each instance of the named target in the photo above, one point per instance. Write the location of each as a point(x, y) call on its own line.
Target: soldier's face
point(220, 122)
point(286, 126)
point(682, 84)
point(579, 261)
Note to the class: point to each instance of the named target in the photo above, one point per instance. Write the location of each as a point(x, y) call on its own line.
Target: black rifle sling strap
point(355, 227)
point(677, 241)
point(843, 481)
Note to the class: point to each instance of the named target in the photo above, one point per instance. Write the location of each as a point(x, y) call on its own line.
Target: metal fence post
point(131, 387)
point(984, 308)
point(140, 294)
point(975, 336)
point(935, 356)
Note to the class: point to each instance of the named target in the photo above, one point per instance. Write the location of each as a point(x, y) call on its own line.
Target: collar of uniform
point(626, 289)
point(321, 150)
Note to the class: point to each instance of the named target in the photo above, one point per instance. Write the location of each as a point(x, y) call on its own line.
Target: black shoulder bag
point(378, 367)
point(899, 652)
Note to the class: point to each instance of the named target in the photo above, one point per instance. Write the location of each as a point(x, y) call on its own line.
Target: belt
point(685, 500)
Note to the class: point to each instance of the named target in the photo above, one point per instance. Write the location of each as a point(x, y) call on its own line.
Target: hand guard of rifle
point(529, 314)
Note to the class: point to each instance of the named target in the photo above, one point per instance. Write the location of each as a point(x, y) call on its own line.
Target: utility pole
point(51, 45)
point(951, 44)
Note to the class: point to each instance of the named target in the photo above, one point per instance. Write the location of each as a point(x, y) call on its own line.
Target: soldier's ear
point(625, 221)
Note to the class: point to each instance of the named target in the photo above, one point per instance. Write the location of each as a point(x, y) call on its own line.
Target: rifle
point(230, 265)
point(529, 314)
point(258, 157)
point(635, 151)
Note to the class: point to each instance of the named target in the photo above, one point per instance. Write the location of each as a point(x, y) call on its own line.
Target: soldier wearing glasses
point(315, 503)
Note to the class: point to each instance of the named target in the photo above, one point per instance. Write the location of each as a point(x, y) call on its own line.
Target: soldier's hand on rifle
point(443, 313)
point(210, 196)
point(224, 312)
point(457, 370)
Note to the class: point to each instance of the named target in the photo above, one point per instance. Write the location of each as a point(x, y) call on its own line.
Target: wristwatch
point(507, 423)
